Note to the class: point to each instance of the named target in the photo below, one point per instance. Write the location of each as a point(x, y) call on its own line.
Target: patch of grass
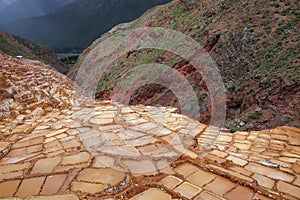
point(244, 121)
point(285, 11)
point(201, 96)
point(254, 115)
point(276, 5)
point(265, 107)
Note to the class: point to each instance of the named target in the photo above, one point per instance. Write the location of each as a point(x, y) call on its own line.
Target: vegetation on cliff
point(255, 45)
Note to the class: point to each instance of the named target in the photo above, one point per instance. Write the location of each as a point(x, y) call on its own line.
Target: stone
point(76, 159)
point(264, 181)
point(141, 141)
point(187, 190)
point(8, 188)
point(104, 161)
point(284, 169)
point(252, 138)
point(292, 155)
point(224, 138)
point(17, 159)
point(288, 159)
point(152, 193)
point(240, 170)
point(14, 167)
point(93, 142)
point(201, 178)
point(215, 159)
point(61, 136)
point(102, 121)
point(103, 176)
point(294, 141)
point(157, 150)
point(30, 187)
point(4, 146)
point(67, 168)
point(237, 160)
point(220, 186)
point(160, 131)
point(68, 138)
point(106, 114)
point(186, 169)
point(55, 197)
point(130, 134)
point(262, 142)
point(279, 137)
point(297, 181)
point(170, 182)
point(239, 137)
point(37, 112)
point(191, 154)
point(139, 124)
point(42, 127)
point(219, 153)
point(271, 154)
point(287, 188)
point(141, 166)
point(242, 146)
point(11, 175)
point(45, 165)
point(52, 184)
point(17, 152)
point(209, 196)
point(18, 145)
point(53, 146)
point(51, 139)
point(265, 136)
point(269, 172)
point(261, 197)
point(70, 144)
point(164, 167)
point(126, 110)
point(240, 193)
point(34, 149)
point(232, 174)
point(56, 132)
point(90, 188)
point(120, 150)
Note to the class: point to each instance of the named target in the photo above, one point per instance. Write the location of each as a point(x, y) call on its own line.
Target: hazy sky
point(4, 3)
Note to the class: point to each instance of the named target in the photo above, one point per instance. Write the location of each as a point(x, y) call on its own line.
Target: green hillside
point(14, 46)
point(255, 44)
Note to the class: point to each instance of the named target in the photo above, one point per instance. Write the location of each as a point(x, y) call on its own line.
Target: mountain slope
point(106, 150)
point(76, 25)
point(255, 45)
point(14, 45)
point(22, 9)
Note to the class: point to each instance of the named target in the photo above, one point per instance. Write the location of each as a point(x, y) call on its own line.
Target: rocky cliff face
point(255, 44)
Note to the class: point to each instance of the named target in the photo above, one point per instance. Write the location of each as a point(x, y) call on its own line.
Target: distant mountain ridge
point(22, 9)
point(78, 24)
